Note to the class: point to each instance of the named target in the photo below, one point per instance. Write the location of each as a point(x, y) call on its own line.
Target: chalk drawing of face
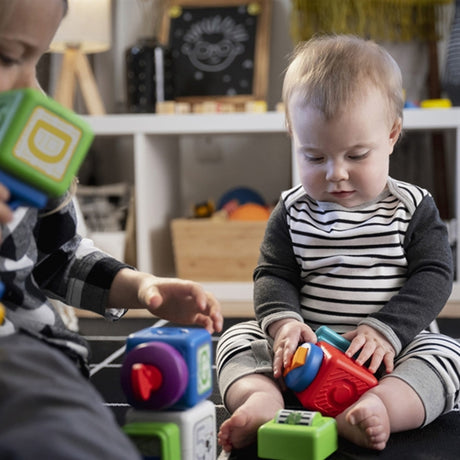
point(213, 43)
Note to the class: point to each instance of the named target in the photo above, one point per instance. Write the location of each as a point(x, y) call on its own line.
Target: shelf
point(151, 124)
point(431, 118)
point(156, 154)
point(240, 123)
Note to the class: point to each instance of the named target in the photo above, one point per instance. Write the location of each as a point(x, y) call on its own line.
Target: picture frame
point(219, 49)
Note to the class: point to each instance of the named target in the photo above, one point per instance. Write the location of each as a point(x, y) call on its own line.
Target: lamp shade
point(86, 26)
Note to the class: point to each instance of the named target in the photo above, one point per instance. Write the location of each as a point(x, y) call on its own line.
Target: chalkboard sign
point(219, 48)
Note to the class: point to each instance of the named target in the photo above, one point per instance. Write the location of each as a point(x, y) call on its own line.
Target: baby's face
point(344, 160)
point(24, 36)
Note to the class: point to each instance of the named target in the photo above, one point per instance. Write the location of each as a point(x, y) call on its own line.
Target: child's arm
point(428, 284)
point(179, 301)
point(277, 280)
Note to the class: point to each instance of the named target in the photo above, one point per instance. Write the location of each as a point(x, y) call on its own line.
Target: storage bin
point(216, 250)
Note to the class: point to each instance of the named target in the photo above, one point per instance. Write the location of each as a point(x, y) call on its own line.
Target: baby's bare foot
point(240, 429)
point(365, 423)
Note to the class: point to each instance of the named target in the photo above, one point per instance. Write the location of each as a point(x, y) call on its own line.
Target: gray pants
point(49, 410)
point(430, 364)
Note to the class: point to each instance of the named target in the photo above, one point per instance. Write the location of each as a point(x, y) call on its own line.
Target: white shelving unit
point(156, 149)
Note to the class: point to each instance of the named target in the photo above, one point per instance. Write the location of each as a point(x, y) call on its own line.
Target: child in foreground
point(48, 407)
point(350, 248)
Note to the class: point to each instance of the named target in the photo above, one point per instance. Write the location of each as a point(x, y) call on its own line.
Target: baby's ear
point(395, 131)
point(288, 126)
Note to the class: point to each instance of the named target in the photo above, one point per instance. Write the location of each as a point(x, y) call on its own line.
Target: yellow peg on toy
point(42, 146)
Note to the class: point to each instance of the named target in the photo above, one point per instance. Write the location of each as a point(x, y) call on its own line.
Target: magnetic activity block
point(196, 426)
point(42, 144)
point(297, 435)
point(154, 440)
point(325, 379)
point(167, 368)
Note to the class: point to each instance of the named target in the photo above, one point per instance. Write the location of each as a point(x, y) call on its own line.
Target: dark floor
point(108, 339)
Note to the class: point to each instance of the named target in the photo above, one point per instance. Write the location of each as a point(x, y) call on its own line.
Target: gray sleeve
point(429, 279)
point(277, 276)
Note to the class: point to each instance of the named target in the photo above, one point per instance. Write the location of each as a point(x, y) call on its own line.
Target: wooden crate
point(214, 250)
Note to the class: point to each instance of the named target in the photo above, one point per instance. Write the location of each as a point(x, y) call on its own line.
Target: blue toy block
point(167, 368)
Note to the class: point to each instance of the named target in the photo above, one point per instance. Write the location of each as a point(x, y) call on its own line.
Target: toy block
point(324, 378)
point(167, 368)
point(165, 107)
point(42, 144)
point(297, 435)
point(196, 427)
point(255, 106)
point(155, 440)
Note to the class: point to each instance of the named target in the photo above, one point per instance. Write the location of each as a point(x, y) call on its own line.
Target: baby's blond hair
point(331, 71)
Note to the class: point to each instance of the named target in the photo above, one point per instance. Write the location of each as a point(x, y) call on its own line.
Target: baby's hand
point(288, 334)
point(6, 215)
point(181, 301)
point(370, 344)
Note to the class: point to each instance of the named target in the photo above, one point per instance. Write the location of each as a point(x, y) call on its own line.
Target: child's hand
point(6, 215)
point(287, 335)
point(370, 344)
point(180, 301)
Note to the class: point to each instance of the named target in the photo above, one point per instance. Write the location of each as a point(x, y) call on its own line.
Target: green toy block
point(155, 440)
point(41, 143)
point(297, 435)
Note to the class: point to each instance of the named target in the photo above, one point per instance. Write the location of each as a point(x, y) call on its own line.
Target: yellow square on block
point(42, 144)
point(47, 143)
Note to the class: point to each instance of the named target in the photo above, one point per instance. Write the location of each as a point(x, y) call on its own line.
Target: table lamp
point(86, 29)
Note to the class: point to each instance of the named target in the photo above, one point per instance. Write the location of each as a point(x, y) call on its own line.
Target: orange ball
point(250, 211)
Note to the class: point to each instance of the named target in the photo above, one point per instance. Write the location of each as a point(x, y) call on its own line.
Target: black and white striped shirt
point(386, 263)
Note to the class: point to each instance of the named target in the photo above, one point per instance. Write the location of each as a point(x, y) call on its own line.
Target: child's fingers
point(204, 321)
point(198, 294)
point(4, 193)
point(388, 360)
point(278, 362)
point(6, 215)
point(356, 344)
point(376, 360)
point(152, 298)
point(211, 310)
